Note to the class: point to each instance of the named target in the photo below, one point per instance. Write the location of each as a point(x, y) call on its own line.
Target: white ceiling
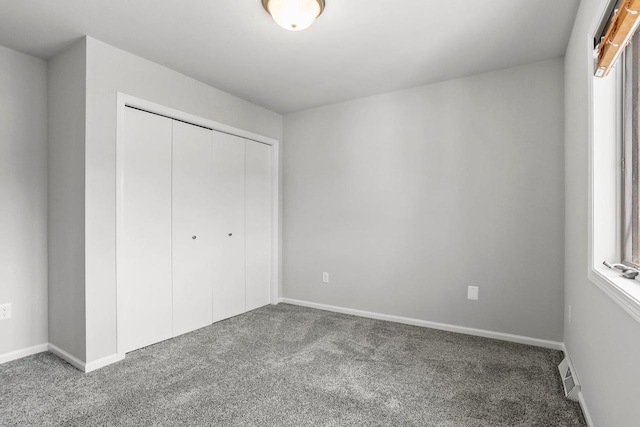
point(356, 48)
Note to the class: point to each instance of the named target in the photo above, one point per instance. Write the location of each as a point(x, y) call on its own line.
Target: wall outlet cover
point(472, 293)
point(325, 277)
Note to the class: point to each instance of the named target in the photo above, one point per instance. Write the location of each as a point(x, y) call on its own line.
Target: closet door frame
point(124, 101)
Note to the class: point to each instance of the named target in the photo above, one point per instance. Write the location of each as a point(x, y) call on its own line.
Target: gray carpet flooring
point(292, 366)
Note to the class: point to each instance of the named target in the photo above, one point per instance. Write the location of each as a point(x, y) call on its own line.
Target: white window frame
point(605, 185)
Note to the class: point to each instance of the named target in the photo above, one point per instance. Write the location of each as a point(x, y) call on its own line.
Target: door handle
point(230, 234)
point(194, 237)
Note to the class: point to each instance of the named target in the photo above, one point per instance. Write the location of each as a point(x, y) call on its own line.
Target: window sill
point(625, 292)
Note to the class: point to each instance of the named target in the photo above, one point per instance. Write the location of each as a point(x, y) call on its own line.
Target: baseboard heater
point(569, 380)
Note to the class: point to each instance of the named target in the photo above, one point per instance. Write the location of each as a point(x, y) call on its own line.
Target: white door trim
point(123, 101)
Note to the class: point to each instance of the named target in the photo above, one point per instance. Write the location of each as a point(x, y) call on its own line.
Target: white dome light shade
point(294, 15)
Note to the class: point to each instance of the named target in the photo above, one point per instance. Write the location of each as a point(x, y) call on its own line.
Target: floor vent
point(569, 380)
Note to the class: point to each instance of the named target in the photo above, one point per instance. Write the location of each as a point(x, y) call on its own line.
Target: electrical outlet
point(5, 311)
point(325, 277)
point(569, 313)
point(472, 292)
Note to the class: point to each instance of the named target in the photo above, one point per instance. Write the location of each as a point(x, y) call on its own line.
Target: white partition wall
point(258, 164)
point(194, 227)
point(228, 171)
point(192, 236)
point(144, 234)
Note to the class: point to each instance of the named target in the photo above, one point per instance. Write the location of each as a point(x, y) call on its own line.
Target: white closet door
point(144, 230)
point(192, 237)
point(228, 226)
point(258, 224)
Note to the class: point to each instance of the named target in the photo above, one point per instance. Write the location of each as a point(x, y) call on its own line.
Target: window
point(614, 155)
point(631, 155)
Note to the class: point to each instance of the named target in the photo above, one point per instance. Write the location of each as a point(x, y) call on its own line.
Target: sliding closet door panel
point(192, 236)
point(258, 224)
point(228, 226)
point(144, 232)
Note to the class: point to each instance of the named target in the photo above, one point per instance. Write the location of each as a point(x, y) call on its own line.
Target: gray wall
point(23, 196)
point(67, 93)
point(602, 339)
point(409, 197)
point(109, 71)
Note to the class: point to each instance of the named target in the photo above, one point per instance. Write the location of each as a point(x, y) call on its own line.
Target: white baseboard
point(19, 354)
point(84, 366)
point(72, 360)
point(583, 403)
point(101, 363)
point(433, 325)
point(585, 411)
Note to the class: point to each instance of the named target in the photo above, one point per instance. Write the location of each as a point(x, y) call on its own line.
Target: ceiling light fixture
point(294, 15)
